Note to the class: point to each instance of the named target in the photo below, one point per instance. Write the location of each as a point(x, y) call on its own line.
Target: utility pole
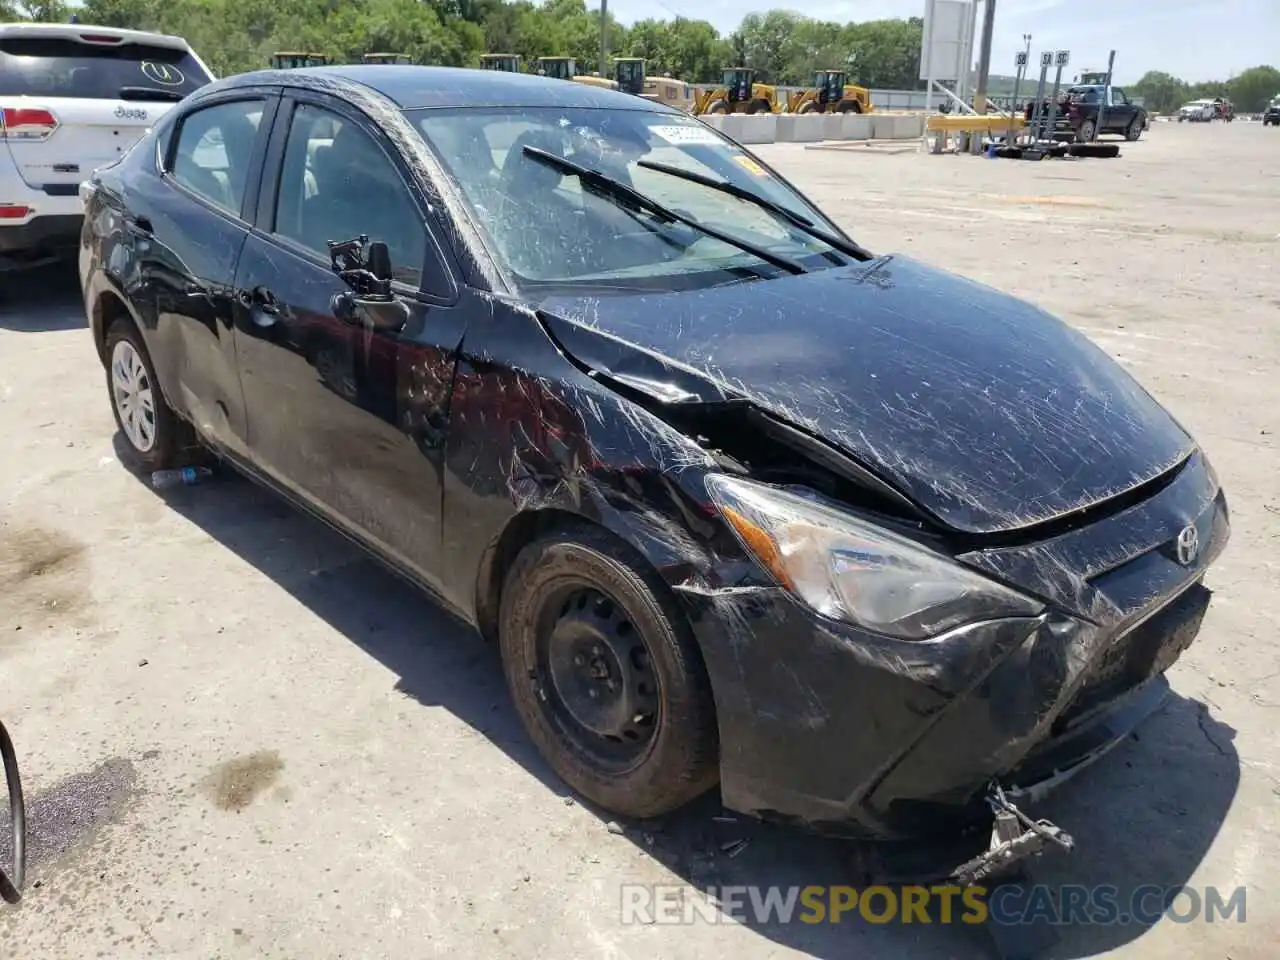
point(604, 39)
point(984, 55)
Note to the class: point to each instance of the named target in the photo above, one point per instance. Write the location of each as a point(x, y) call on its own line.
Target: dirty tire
point(680, 760)
point(718, 106)
point(1135, 130)
point(808, 107)
point(849, 106)
point(174, 442)
point(758, 106)
point(1086, 132)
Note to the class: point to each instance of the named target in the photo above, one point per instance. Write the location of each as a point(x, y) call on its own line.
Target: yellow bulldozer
point(387, 58)
point(291, 60)
point(506, 62)
point(830, 93)
point(739, 93)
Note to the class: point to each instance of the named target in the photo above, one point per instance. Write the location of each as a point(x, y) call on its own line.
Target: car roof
point(414, 87)
point(80, 31)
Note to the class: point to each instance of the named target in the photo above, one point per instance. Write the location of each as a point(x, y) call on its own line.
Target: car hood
point(988, 412)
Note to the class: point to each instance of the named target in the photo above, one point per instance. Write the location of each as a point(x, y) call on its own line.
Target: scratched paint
point(978, 425)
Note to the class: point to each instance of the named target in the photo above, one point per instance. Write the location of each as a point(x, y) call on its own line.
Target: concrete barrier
point(809, 129)
point(803, 128)
point(785, 131)
point(757, 129)
point(731, 126)
point(798, 129)
point(856, 126)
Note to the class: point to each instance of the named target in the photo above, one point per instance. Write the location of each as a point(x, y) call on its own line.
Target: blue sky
point(1193, 39)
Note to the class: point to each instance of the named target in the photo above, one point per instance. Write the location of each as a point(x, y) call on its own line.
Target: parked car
point(1271, 115)
point(739, 501)
point(1197, 111)
point(1082, 108)
point(74, 97)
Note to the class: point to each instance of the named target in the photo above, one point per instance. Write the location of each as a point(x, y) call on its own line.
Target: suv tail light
point(27, 123)
point(13, 211)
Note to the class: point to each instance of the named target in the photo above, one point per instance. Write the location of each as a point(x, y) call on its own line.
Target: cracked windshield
point(548, 227)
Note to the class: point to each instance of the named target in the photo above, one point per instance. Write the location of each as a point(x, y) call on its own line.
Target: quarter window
point(337, 184)
point(214, 151)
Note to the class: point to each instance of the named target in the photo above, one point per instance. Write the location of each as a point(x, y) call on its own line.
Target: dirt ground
point(241, 739)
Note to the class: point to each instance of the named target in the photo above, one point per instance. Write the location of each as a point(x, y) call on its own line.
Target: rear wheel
point(1135, 129)
point(155, 438)
point(606, 675)
point(849, 106)
point(1086, 132)
point(758, 106)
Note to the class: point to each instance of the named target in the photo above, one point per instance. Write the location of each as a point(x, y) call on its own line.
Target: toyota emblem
point(1188, 545)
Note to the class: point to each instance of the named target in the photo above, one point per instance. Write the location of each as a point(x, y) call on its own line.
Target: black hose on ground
point(11, 889)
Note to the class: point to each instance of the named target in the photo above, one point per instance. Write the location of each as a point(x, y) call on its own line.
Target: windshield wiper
point(150, 93)
point(801, 223)
point(625, 195)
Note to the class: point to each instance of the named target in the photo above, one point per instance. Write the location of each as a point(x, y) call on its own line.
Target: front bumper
point(852, 734)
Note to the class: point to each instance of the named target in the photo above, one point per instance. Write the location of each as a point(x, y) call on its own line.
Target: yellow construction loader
point(561, 68)
point(738, 94)
point(830, 94)
point(295, 61)
point(628, 75)
point(506, 62)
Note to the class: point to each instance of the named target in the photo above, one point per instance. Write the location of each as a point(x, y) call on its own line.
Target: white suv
point(74, 98)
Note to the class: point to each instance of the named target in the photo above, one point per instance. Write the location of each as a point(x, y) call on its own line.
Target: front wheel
point(605, 674)
point(758, 106)
point(155, 437)
point(849, 106)
point(718, 107)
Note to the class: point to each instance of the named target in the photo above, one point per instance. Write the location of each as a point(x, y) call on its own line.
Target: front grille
point(1147, 650)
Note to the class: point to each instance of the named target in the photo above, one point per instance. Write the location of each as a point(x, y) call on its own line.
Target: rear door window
point(54, 67)
point(215, 149)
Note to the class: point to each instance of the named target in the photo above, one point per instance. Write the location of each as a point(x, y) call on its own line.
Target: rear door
point(77, 102)
point(190, 223)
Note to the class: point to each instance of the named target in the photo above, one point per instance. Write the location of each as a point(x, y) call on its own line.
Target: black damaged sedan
point(863, 542)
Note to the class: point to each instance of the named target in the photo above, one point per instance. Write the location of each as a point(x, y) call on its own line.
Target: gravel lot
point(241, 739)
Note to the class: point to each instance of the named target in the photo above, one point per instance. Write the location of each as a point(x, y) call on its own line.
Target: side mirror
point(385, 316)
point(366, 268)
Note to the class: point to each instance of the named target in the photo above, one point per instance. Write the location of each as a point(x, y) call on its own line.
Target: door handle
point(263, 306)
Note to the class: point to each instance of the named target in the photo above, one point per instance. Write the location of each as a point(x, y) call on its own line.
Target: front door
point(348, 419)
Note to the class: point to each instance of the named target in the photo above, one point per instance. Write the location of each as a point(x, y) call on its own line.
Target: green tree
point(1252, 90)
point(1161, 92)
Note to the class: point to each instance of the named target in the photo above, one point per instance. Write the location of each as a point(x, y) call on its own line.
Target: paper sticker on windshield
point(749, 165)
point(685, 133)
point(162, 73)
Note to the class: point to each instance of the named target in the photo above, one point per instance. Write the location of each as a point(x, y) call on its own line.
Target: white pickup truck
point(74, 98)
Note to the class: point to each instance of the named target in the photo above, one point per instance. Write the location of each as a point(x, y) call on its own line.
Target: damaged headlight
point(848, 569)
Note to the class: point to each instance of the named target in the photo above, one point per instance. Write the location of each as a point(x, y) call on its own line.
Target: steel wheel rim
point(614, 754)
point(133, 396)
